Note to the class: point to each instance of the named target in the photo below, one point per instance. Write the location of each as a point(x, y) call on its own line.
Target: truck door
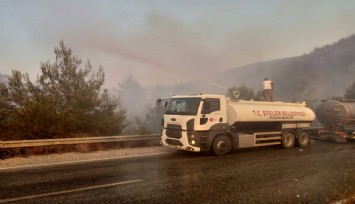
point(211, 113)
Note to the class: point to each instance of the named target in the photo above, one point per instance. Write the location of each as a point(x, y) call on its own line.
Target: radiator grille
point(174, 131)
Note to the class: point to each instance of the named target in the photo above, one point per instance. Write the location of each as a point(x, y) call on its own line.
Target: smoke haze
point(167, 42)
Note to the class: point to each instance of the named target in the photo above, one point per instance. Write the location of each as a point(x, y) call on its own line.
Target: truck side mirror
point(165, 101)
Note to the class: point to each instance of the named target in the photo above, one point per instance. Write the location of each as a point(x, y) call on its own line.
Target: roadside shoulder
point(71, 157)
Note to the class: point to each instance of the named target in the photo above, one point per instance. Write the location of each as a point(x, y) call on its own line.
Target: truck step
point(266, 144)
point(268, 138)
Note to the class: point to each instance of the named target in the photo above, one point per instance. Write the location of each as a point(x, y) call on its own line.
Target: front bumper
point(181, 143)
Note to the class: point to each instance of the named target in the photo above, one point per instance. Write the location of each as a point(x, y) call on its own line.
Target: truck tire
point(222, 145)
point(288, 139)
point(303, 139)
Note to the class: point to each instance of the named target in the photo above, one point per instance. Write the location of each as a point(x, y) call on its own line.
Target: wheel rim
point(288, 139)
point(222, 145)
point(303, 138)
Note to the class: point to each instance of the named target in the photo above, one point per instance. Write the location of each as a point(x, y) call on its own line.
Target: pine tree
point(154, 117)
point(350, 92)
point(6, 110)
point(132, 94)
point(66, 100)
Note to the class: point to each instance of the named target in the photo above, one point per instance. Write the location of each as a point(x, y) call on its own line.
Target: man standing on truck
point(268, 88)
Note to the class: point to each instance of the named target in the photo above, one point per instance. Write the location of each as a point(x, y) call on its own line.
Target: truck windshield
point(183, 106)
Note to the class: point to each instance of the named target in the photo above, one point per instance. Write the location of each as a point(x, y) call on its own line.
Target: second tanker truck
point(338, 120)
point(206, 122)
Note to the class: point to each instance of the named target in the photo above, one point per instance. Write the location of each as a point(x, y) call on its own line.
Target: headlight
point(193, 138)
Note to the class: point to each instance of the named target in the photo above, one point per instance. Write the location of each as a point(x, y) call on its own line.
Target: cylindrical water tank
point(258, 111)
point(333, 112)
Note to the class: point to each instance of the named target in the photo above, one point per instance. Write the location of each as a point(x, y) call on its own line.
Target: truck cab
point(188, 119)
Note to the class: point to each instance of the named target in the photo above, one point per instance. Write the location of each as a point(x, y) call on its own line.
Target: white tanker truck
point(206, 122)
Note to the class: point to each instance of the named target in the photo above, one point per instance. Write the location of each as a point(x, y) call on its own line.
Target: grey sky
point(158, 40)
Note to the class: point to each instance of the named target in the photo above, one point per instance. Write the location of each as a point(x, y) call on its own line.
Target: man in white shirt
point(268, 87)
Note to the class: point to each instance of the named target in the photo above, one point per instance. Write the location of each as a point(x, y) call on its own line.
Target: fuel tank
point(336, 112)
point(261, 111)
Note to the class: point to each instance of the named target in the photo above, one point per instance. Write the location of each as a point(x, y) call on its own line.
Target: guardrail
point(84, 140)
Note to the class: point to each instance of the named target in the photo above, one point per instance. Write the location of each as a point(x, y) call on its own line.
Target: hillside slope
point(322, 74)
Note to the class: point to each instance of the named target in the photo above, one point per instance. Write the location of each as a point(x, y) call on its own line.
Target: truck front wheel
point(222, 145)
point(303, 139)
point(288, 140)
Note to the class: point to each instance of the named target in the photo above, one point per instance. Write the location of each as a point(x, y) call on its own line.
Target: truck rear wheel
point(303, 139)
point(288, 139)
point(222, 145)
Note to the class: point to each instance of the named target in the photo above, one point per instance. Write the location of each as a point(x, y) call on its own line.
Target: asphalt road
point(321, 173)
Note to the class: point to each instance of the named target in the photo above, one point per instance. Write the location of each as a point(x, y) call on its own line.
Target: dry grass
point(57, 149)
